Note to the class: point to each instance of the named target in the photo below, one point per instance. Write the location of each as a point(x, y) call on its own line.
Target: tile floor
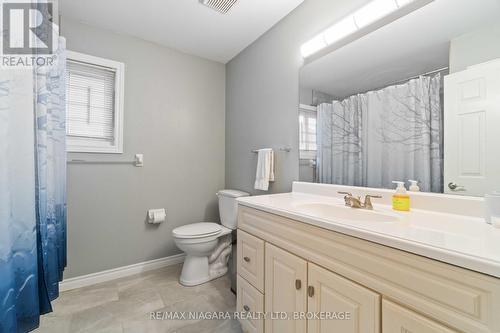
point(125, 305)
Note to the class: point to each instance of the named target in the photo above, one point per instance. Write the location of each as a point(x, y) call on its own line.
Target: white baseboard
point(119, 272)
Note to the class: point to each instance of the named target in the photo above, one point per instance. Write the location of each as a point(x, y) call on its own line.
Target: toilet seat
point(197, 230)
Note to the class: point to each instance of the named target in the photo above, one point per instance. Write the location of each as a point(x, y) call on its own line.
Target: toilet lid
point(195, 230)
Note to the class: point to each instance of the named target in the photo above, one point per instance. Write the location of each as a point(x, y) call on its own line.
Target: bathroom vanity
point(434, 269)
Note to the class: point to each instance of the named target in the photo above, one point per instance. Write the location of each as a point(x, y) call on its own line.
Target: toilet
point(207, 244)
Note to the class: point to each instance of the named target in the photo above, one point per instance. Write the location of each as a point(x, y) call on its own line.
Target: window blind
point(90, 92)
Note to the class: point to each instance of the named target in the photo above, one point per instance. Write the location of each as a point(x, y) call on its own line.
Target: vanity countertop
point(460, 240)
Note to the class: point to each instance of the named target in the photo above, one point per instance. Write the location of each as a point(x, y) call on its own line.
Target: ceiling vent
point(222, 6)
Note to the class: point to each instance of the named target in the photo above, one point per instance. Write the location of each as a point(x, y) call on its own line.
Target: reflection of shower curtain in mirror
point(391, 134)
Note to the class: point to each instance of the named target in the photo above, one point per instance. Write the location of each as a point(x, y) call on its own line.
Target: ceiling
point(413, 45)
point(185, 25)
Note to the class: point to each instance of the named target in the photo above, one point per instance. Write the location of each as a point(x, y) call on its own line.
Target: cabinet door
point(285, 290)
point(357, 309)
point(396, 319)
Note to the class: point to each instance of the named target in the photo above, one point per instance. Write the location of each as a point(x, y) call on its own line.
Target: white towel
point(265, 169)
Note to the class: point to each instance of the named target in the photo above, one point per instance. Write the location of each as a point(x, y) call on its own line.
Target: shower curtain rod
point(400, 81)
point(417, 76)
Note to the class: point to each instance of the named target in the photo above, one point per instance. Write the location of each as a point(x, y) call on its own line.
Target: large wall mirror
point(418, 99)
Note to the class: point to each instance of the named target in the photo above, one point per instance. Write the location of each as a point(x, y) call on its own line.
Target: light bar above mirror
point(366, 19)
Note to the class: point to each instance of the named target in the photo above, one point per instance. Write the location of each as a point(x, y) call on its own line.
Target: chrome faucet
point(353, 202)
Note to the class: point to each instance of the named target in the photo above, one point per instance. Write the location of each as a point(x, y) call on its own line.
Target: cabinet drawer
point(396, 319)
point(250, 300)
point(251, 259)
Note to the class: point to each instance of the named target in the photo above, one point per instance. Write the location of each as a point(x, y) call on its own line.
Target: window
point(94, 104)
point(307, 132)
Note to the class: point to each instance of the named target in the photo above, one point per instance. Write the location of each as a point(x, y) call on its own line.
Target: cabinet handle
point(246, 308)
point(246, 259)
point(298, 284)
point(310, 291)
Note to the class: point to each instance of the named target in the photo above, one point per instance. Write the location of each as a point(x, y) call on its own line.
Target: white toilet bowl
point(198, 241)
point(208, 245)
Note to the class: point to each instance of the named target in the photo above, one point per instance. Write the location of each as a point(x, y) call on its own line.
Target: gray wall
point(174, 115)
point(475, 48)
point(262, 94)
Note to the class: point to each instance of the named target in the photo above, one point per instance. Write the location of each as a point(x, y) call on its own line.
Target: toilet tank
point(228, 207)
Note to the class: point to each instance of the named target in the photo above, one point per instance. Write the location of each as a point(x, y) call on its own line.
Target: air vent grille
point(222, 6)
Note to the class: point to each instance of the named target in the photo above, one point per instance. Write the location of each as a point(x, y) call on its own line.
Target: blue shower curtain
point(32, 191)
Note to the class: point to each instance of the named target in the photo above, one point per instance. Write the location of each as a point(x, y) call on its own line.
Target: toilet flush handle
point(247, 259)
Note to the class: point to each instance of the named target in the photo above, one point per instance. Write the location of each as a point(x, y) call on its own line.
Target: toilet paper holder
point(156, 215)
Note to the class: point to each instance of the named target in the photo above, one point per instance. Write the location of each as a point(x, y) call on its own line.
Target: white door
point(472, 130)
point(352, 308)
point(285, 286)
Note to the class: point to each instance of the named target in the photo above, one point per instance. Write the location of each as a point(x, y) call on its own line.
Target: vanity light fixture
point(368, 18)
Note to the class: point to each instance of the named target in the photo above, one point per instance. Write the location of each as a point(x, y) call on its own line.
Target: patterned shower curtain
point(391, 134)
point(32, 191)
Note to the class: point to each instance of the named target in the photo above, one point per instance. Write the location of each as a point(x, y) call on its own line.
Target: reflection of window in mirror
point(307, 132)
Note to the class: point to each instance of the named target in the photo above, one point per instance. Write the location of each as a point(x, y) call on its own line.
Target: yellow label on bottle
point(401, 202)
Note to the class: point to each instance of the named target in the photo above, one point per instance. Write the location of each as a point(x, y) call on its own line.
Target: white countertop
point(460, 240)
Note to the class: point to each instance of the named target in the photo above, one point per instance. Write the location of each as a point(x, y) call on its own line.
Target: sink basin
point(341, 212)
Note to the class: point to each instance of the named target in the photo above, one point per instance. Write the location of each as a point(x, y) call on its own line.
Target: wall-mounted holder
point(156, 216)
point(137, 162)
point(284, 149)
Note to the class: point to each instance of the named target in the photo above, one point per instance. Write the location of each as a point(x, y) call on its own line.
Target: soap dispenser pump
point(414, 186)
point(400, 199)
